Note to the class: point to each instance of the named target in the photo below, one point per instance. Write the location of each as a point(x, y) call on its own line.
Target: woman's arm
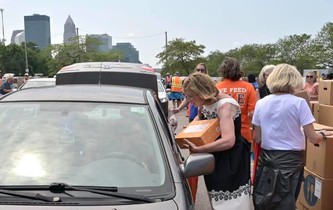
point(314, 136)
point(257, 134)
point(226, 115)
point(181, 106)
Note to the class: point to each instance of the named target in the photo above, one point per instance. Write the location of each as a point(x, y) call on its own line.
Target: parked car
point(92, 147)
point(163, 96)
point(113, 73)
point(38, 82)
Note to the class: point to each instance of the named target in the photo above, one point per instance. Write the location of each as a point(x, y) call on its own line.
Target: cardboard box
point(325, 93)
point(325, 115)
point(316, 111)
point(299, 206)
point(199, 132)
point(319, 160)
point(312, 103)
point(319, 127)
point(316, 192)
point(304, 94)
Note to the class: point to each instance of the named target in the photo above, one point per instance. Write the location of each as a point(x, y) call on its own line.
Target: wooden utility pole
point(166, 51)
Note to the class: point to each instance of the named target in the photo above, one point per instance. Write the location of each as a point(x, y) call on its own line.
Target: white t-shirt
point(281, 118)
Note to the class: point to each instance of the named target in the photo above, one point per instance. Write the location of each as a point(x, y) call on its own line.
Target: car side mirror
point(198, 164)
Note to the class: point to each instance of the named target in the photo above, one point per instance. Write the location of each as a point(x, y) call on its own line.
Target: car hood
point(167, 205)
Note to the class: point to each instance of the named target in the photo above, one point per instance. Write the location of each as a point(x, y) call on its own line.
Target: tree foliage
point(302, 50)
point(323, 45)
point(181, 56)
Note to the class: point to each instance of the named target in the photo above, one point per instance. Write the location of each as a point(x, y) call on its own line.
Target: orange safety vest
point(176, 85)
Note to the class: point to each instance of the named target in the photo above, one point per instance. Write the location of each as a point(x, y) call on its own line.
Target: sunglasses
point(309, 76)
point(201, 70)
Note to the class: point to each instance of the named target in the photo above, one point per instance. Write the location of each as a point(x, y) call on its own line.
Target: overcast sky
point(217, 24)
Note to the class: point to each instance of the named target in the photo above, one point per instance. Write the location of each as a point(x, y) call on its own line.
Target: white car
point(163, 96)
point(38, 82)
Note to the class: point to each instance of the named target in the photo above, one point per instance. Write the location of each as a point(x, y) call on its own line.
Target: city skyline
point(217, 24)
point(36, 24)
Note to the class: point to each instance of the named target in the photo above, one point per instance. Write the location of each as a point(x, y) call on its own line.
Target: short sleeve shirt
point(281, 118)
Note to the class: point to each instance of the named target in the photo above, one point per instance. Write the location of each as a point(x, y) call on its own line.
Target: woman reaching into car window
point(229, 185)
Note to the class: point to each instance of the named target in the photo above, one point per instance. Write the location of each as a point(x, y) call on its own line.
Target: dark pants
point(278, 179)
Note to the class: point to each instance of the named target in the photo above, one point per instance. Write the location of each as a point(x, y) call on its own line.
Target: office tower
point(37, 30)
point(15, 32)
point(105, 42)
point(69, 30)
point(130, 53)
point(19, 38)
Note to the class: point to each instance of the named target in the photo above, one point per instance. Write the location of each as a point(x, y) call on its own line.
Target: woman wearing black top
point(262, 92)
point(264, 73)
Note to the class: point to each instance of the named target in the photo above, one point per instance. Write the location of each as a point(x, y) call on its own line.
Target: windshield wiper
point(33, 196)
point(61, 188)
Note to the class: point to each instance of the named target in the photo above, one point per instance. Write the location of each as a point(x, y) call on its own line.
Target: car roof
point(112, 73)
point(42, 79)
point(104, 66)
point(90, 93)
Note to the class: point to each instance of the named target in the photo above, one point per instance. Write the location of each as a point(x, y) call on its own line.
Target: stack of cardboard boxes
point(317, 189)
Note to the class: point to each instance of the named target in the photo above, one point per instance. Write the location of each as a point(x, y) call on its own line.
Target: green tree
point(323, 45)
point(214, 60)
point(252, 57)
point(181, 56)
point(12, 59)
point(80, 49)
point(296, 50)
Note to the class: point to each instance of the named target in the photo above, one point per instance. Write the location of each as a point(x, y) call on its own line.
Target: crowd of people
point(280, 121)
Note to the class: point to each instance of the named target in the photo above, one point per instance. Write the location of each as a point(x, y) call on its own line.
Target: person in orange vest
point(176, 95)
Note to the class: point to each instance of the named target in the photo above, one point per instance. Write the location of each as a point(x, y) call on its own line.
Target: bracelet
point(323, 134)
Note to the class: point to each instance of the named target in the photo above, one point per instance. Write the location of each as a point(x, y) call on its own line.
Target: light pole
point(26, 57)
point(3, 27)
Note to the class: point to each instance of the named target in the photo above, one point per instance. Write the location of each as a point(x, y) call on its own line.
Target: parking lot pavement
point(202, 199)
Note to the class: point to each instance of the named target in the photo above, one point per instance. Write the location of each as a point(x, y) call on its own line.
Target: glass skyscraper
point(37, 30)
point(69, 30)
point(105, 42)
point(130, 53)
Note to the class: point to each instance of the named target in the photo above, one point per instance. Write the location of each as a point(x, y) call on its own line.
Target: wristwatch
point(324, 137)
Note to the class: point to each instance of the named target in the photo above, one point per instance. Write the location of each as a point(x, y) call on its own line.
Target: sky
point(217, 24)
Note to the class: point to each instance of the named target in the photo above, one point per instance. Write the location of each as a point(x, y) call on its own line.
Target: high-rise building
point(130, 53)
point(37, 30)
point(69, 30)
point(15, 32)
point(19, 38)
point(105, 42)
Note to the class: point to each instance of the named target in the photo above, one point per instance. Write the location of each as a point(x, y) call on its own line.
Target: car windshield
point(86, 144)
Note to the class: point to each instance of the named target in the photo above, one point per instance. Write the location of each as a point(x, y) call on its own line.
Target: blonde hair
point(201, 85)
point(285, 79)
point(313, 74)
point(264, 70)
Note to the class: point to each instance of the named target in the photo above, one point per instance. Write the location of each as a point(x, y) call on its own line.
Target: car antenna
point(100, 73)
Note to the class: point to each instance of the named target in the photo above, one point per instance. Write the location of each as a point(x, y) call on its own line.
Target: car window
point(48, 142)
point(160, 86)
